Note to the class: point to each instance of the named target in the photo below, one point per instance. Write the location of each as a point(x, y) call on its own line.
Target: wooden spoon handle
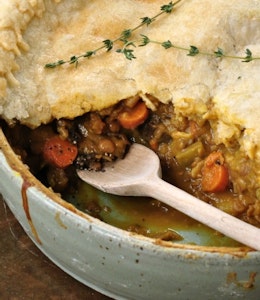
point(201, 211)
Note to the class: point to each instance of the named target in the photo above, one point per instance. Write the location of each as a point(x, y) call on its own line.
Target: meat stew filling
point(220, 175)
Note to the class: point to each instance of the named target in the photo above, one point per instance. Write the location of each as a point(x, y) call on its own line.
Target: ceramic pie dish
point(215, 106)
point(118, 263)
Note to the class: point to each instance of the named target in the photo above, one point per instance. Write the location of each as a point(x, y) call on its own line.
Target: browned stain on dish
point(26, 208)
point(59, 221)
point(246, 284)
point(234, 251)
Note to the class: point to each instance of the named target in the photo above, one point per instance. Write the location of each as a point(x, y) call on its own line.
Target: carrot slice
point(130, 118)
point(58, 152)
point(154, 144)
point(215, 176)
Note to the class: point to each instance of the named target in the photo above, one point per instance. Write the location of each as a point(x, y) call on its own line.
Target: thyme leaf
point(73, 59)
point(108, 44)
point(219, 53)
point(248, 56)
point(193, 51)
point(126, 34)
point(168, 44)
point(128, 53)
point(168, 7)
point(55, 64)
point(145, 40)
point(89, 54)
point(147, 20)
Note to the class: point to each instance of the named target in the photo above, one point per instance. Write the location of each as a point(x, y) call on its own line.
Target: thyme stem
point(193, 50)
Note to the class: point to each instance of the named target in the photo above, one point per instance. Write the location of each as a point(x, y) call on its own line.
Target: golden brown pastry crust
point(45, 31)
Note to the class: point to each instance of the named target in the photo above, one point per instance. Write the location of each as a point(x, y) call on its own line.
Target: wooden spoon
point(139, 174)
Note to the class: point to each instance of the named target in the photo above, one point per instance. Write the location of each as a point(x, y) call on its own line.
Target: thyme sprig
point(194, 51)
point(108, 44)
point(128, 52)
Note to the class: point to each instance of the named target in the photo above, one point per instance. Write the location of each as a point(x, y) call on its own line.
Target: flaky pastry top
point(224, 91)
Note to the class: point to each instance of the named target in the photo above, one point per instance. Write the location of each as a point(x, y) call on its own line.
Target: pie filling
point(219, 174)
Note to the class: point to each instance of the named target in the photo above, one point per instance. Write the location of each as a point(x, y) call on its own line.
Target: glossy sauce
point(146, 216)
